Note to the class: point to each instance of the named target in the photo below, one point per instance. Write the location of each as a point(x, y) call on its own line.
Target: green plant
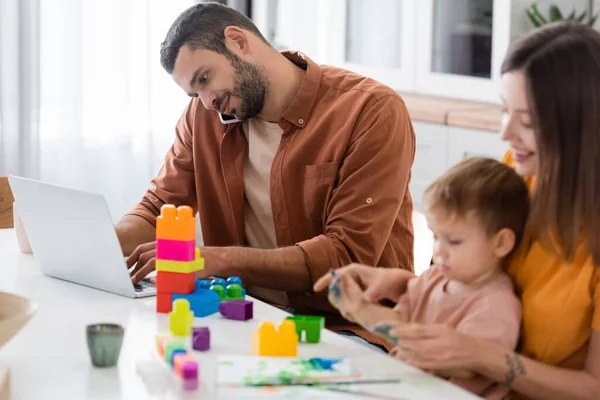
point(554, 14)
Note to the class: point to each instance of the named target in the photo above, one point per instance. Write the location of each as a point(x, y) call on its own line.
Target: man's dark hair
point(202, 26)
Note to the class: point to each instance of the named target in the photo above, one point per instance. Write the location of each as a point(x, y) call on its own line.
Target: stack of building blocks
point(267, 341)
point(201, 338)
point(172, 349)
point(239, 310)
point(177, 257)
point(310, 325)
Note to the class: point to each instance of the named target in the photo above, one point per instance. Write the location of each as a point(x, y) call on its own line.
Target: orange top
point(561, 301)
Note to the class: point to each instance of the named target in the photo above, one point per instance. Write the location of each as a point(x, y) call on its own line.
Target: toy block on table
point(181, 266)
point(179, 362)
point(170, 346)
point(266, 341)
point(239, 310)
point(202, 302)
point(175, 282)
point(310, 325)
point(176, 250)
point(176, 223)
point(174, 353)
point(181, 318)
point(164, 302)
point(230, 289)
point(201, 338)
point(161, 341)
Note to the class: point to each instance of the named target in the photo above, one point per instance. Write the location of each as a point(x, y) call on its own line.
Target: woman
point(551, 96)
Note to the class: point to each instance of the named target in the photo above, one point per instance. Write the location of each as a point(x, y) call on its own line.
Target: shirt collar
point(299, 110)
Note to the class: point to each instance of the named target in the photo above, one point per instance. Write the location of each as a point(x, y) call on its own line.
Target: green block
point(234, 292)
point(171, 345)
point(310, 325)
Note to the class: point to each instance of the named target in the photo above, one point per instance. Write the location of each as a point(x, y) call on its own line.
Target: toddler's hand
point(346, 295)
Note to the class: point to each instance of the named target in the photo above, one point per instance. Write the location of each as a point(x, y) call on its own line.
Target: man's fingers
point(145, 270)
point(137, 253)
point(142, 261)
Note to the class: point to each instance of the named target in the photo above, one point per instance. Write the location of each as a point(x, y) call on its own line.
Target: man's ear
point(503, 242)
point(236, 39)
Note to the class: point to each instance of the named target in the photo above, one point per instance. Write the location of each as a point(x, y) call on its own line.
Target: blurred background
point(84, 102)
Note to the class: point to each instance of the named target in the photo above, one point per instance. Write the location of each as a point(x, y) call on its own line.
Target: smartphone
point(228, 119)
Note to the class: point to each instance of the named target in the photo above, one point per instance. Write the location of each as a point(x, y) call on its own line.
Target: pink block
point(175, 250)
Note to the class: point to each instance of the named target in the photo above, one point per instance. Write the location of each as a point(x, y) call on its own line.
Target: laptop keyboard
point(143, 284)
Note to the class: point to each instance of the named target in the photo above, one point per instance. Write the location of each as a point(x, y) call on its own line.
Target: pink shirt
point(492, 312)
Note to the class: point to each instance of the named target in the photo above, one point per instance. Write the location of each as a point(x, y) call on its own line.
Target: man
point(313, 176)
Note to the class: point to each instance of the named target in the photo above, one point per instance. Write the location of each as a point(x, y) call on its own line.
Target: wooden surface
point(460, 113)
point(483, 117)
point(4, 383)
point(6, 204)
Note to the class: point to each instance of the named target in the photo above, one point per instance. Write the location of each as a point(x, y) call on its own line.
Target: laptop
point(73, 238)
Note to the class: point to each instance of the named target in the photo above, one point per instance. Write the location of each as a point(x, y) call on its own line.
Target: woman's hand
point(376, 283)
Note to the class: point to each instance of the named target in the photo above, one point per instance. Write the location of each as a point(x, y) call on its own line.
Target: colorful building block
point(202, 302)
point(201, 338)
point(164, 302)
point(176, 223)
point(232, 292)
point(174, 353)
point(176, 250)
point(310, 325)
point(239, 310)
point(189, 374)
point(266, 341)
point(161, 340)
point(181, 266)
point(202, 284)
point(234, 280)
point(175, 282)
point(181, 318)
point(180, 360)
point(170, 346)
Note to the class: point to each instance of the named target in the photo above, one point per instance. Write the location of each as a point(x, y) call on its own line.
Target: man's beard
point(251, 86)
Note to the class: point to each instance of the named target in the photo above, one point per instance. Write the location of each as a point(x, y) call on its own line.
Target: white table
point(49, 359)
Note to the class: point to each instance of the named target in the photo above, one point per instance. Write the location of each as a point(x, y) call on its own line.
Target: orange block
point(266, 341)
point(176, 223)
point(175, 282)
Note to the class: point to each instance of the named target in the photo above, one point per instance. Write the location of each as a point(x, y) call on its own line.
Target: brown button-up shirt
point(339, 180)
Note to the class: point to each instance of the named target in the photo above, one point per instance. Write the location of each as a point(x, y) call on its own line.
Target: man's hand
point(377, 283)
point(144, 259)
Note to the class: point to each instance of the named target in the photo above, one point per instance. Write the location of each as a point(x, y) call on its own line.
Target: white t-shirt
point(263, 141)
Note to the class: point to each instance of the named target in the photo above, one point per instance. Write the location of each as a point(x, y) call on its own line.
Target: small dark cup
point(104, 343)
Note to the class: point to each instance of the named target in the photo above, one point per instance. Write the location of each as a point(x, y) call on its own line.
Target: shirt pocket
point(318, 184)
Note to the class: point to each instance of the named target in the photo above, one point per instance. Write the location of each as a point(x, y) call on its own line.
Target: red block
point(175, 282)
point(164, 302)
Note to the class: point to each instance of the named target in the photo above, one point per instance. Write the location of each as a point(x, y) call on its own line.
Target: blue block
point(203, 302)
point(176, 351)
point(202, 284)
point(244, 292)
point(234, 280)
point(219, 281)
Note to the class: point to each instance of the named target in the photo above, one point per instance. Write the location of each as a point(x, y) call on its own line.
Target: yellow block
point(183, 267)
point(181, 318)
point(266, 341)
